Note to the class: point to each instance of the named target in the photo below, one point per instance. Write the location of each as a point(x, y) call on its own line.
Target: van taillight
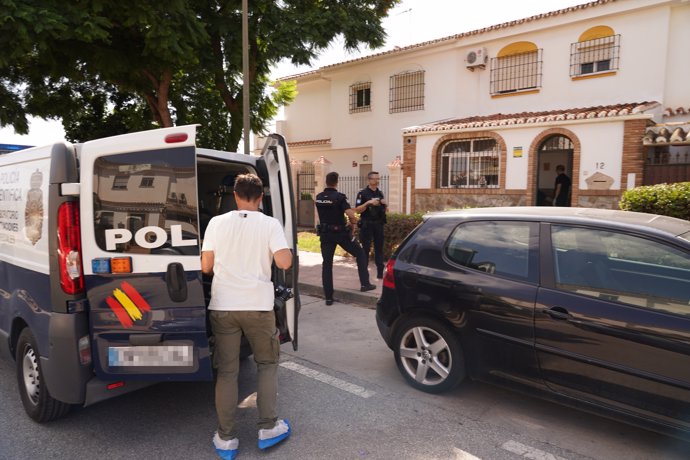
point(388, 278)
point(69, 248)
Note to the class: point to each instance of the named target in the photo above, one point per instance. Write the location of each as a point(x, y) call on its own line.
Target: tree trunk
point(235, 131)
point(163, 94)
point(157, 99)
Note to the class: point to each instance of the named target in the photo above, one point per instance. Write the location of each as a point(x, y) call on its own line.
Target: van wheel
point(38, 403)
point(428, 355)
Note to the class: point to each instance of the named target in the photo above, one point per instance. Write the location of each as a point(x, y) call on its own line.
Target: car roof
point(608, 217)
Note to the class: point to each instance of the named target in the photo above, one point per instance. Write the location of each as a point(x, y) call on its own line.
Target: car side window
point(623, 268)
point(501, 248)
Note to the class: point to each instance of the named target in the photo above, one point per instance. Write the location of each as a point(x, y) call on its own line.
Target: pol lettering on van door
point(150, 237)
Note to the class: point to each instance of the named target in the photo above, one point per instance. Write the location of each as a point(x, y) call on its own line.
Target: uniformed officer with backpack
point(332, 206)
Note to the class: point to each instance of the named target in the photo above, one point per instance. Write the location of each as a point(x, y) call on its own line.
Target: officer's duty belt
point(330, 228)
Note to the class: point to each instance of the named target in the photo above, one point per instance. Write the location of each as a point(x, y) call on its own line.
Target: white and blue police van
point(101, 289)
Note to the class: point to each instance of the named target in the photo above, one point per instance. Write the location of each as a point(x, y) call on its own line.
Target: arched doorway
point(554, 151)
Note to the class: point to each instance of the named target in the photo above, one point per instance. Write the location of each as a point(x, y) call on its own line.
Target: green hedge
point(665, 199)
point(397, 227)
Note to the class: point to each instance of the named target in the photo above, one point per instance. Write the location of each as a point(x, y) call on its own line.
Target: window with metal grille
point(360, 97)
point(120, 182)
point(406, 92)
point(471, 163)
point(146, 182)
point(516, 72)
point(592, 56)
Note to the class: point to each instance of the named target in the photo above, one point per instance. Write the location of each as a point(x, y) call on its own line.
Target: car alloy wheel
point(428, 355)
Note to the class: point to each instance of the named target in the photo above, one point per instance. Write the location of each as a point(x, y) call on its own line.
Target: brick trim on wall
point(634, 152)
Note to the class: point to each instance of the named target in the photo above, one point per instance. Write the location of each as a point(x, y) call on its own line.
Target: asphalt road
point(345, 399)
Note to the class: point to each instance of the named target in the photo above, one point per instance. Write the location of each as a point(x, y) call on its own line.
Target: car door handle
point(558, 313)
point(176, 281)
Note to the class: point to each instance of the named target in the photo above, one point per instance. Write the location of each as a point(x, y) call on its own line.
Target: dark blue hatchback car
point(588, 306)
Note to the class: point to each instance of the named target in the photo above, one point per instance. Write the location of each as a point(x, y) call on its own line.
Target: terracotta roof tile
point(670, 111)
point(500, 119)
point(309, 143)
point(666, 134)
point(456, 36)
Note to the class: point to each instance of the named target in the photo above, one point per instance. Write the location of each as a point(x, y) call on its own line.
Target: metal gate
point(351, 185)
point(305, 195)
point(666, 173)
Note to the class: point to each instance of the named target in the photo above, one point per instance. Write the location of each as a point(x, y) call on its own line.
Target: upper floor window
point(596, 51)
point(406, 92)
point(471, 163)
point(146, 182)
point(120, 181)
point(360, 97)
point(517, 67)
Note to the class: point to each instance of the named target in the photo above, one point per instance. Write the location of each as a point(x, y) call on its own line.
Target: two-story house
point(485, 117)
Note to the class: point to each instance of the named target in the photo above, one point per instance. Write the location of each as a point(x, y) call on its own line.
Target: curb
point(339, 295)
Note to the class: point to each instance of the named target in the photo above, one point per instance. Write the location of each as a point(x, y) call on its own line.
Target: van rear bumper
point(97, 389)
point(64, 376)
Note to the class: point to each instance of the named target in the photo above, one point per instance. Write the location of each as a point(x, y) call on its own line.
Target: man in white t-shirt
point(239, 248)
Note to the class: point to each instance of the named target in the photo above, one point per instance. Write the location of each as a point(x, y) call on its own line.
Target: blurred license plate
point(146, 356)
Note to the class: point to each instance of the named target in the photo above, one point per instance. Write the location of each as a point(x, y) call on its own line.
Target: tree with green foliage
point(177, 62)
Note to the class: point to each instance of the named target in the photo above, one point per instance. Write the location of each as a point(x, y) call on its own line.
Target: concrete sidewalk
point(345, 279)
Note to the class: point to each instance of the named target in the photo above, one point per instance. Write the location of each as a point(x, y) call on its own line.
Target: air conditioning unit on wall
point(476, 58)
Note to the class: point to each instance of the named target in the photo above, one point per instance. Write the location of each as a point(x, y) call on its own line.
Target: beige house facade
point(483, 118)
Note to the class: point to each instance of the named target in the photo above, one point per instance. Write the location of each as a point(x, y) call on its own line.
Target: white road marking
point(462, 455)
point(529, 452)
point(327, 379)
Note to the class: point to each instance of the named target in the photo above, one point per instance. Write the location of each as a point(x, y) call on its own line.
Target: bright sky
point(413, 21)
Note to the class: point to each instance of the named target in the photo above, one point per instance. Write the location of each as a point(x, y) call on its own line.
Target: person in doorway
point(371, 206)
point(238, 249)
point(332, 206)
point(561, 195)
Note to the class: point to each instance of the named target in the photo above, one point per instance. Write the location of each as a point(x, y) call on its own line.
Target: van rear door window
point(146, 203)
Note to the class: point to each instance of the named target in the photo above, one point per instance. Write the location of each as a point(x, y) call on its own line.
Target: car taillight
point(69, 248)
point(388, 278)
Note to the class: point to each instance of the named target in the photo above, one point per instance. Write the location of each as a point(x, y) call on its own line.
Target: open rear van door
point(140, 247)
point(274, 164)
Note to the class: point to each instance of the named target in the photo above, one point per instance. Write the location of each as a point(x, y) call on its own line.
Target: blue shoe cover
point(269, 442)
point(227, 454)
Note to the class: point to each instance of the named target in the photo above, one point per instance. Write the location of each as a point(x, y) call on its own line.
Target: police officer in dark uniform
point(371, 207)
point(333, 231)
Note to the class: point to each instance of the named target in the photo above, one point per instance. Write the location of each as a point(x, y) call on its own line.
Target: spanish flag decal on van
point(127, 304)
